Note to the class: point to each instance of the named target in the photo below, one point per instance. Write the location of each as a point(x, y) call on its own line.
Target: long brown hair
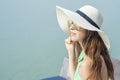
point(94, 47)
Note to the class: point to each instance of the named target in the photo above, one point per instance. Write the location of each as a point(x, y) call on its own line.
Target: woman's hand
point(70, 45)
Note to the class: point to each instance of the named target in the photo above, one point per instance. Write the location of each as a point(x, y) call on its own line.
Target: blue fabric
point(54, 78)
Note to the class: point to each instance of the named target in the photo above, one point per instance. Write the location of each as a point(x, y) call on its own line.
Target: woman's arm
point(72, 65)
point(104, 73)
point(71, 52)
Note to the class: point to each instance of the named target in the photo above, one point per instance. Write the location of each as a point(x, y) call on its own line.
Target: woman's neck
point(81, 44)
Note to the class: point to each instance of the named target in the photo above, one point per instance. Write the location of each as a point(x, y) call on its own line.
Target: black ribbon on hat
point(87, 18)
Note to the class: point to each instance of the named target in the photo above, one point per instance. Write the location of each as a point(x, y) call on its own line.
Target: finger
point(71, 40)
point(67, 41)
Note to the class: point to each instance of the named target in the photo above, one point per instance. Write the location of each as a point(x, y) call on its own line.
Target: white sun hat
point(87, 17)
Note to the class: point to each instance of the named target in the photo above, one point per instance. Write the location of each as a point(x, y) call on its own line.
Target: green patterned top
point(77, 76)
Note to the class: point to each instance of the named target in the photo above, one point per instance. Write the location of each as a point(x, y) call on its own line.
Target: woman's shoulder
point(86, 60)
point(85, 65)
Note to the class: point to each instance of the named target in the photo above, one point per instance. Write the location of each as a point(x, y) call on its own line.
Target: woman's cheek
point(80, 36)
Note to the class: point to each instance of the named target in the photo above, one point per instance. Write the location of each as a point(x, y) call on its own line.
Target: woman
point(87, 45)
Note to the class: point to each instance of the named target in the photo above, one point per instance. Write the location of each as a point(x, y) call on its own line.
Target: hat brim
point(63, 15)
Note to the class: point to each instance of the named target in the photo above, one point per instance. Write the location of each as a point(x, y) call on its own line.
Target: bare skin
point(77, 34)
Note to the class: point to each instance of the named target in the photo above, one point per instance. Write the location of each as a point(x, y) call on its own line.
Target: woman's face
point(77, 33)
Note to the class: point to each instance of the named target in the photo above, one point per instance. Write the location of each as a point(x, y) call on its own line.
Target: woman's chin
point(74, 39)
